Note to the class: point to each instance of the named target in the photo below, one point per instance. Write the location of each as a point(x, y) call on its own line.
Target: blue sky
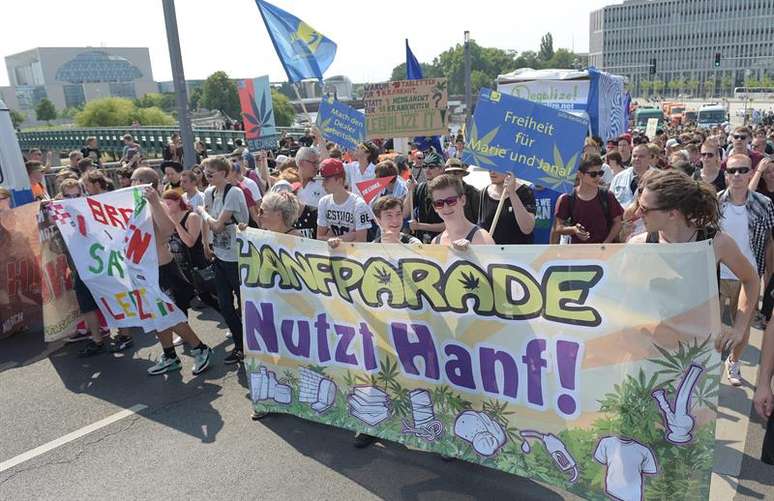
point(229, 34)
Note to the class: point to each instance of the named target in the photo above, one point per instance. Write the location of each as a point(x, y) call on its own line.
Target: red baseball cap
point(331, 167)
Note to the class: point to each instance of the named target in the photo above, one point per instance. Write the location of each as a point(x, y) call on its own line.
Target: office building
point(71, 76)
point(684, 37)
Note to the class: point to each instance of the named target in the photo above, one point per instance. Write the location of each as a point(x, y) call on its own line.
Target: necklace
point(689, 239)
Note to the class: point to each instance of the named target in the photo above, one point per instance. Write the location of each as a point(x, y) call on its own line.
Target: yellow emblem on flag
point(308, 36)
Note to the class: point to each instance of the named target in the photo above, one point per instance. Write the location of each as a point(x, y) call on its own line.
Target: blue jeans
point(227, 282)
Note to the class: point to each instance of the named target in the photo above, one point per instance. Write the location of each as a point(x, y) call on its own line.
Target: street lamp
point(467, 78)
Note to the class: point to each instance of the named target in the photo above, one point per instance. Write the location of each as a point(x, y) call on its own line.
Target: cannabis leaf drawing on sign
point(558, 182)
point(479, 158)
point(325, 125)
point(469, 282)
point(260, 117)
point(438, 90)
point(383, 276)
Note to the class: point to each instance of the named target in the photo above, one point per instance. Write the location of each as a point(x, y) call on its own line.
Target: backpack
point(223, 201)
point(603, 200)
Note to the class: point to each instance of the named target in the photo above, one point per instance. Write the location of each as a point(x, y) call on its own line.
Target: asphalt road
point(194, 438)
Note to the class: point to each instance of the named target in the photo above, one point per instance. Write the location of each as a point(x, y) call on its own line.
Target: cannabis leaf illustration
point(325, 126)
point(469, 282)
point(260, 117)
point(562, 182)
point(383, 276)
point(475, 157)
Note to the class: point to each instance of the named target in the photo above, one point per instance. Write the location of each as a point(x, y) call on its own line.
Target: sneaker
point(201, 360)
point(80, 335)
point(121, 342)
point(734, 372)
point(92, 348)
point(177, 340)
point(257, 416)
point(235, 357)
point(362, 440)
point(165, 364)
point(759, 322)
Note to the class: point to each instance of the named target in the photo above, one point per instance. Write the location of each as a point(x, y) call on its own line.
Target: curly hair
point(695, 199)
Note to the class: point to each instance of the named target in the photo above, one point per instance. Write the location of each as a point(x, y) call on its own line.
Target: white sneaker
point(177, 340)
point(734, 372)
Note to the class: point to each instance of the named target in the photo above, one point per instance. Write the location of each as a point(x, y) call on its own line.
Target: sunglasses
point(595, 173)
point(208, 174)
point(737, 170)
point(708, 154)
point(450, 201)
point(644, 210)
point(740, 136)
point(71, 195)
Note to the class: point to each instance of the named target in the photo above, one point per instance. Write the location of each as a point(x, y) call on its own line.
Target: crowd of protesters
point(678, 186)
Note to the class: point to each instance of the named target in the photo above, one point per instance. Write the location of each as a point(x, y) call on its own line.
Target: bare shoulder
point(482, 237)
point(640, 238)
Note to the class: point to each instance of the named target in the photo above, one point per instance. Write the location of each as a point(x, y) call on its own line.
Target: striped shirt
point(760, 222)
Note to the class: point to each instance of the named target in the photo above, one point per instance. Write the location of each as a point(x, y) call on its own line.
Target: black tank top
point(191, 256)
point(701, 234)
point(468, 237)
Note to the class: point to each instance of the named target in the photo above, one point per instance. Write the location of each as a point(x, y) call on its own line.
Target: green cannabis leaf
point(477, 157)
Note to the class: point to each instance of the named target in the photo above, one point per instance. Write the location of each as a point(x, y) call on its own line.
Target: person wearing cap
point(455, 167)
point(342, 216)
point(424, 221)
point(363, 168)
point(172, 170)
point(516, 222)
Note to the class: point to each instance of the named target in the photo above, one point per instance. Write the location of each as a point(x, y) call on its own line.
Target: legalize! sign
point(589, 368)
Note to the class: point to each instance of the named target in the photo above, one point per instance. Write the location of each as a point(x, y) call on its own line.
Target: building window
point(29, 96)
point(74, 95)
point(123, 89)
point(97, 66)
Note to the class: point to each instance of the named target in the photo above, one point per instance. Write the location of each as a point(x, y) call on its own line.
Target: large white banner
point(566, 95)
point(113, 245)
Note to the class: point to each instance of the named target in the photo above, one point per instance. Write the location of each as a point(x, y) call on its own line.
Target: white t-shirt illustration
point(627, 461)
point(352, 215)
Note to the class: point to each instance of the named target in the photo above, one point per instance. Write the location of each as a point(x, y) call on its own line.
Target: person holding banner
point(171, 281)
point(424, 222)
point(342, 216)
point(678, 209)
point(448, 199)
point(389, 215)
point(224, 208)
point(518, 207)
point(311, 191)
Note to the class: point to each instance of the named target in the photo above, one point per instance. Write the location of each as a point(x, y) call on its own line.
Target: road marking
point(37, 451)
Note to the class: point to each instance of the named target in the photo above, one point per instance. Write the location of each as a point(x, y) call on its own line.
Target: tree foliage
point(45, 110)
point(17, 118)
point(487, 63)
point(283, 110)
point(164, 101)
point(119, 112)
point(220, 93)
point(547, 47)
point(195, 99)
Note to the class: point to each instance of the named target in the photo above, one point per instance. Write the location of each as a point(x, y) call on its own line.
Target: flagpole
point(497, 212)
point(303, 106)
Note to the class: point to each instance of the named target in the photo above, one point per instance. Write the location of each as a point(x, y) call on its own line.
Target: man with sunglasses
point(740, 145)
point(424, 221)
point(308, 161)
point(584, 215)
point(711, 172)
point(748, 218)
point(624, 184)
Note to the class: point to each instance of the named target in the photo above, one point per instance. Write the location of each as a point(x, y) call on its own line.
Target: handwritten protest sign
point(20, 307)
point(588, 367)
point(112, 243)
point(406, 108)
point(341, 124)
point(257, 113)
point(534, 142)
point(650, 129)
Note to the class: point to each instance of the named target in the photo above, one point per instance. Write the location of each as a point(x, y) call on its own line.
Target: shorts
point(86, 302)
point(767, 455)
point(174, 284)
point(729, 297)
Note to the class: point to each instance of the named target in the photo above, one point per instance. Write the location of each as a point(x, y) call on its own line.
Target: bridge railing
point(150, 139)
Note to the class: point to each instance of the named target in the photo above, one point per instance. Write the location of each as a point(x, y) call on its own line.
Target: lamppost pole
point(468, 103)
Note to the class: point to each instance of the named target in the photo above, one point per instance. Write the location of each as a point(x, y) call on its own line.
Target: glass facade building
point(684, 36)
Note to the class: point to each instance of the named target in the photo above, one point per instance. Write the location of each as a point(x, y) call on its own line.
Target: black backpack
point(603, 200)
point(226, 189)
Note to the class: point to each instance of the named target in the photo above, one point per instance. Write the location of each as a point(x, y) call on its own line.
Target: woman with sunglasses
point(589, 215)
point(678, 209)
point(710, 171)
point(448, 198)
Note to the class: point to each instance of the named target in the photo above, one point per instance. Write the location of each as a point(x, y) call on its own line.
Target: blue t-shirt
point(545, 204)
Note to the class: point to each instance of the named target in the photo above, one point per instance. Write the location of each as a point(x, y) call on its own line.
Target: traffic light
point(653, 66)
point(717, 60)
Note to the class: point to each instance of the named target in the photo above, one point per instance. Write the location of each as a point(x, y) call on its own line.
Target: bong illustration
point(555, 448)
point(678, 423)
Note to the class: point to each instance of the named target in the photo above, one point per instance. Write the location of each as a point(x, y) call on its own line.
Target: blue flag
point(303, 51)
point(414, 72)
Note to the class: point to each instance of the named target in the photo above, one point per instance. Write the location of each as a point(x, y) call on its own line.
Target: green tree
point(220, 93)
point(546, 47)
point(487, 60)
point(692, 86)
point(528, 59)
point(428, 71)
point(164, 101)
point(645, 86)
point(709, 87)
point(562, 59)
point(195, 98)
point(119, 112)
point(45, 110)
point(658, 86)
point(283, 110)
point(726, 83)
point(17, 118)
point(752, 82)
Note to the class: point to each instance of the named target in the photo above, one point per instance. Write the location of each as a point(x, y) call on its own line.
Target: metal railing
point(150, 139)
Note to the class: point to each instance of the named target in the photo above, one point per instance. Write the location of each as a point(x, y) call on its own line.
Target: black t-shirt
point(92, 153)
point(472, 201)
point(719, 182)
point(306, 224)
point(424, 212)
point(507, 230)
